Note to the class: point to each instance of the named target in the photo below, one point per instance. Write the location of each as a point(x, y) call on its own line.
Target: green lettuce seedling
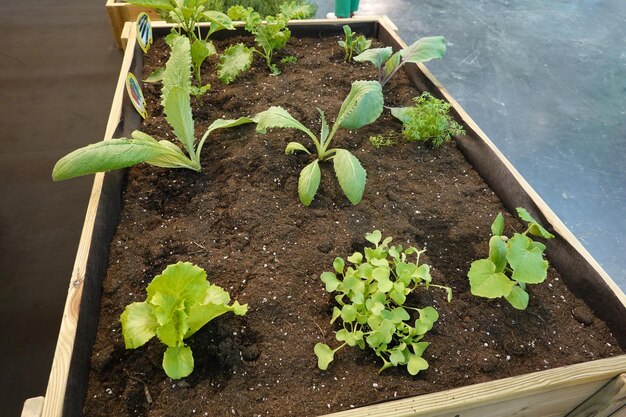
point(388, 63)
point(270, 35)
point(512, 263)
point(363, 106)
point(371, 294)
point(121, 153)
point(428, 120)
point(180, 301)
point(353, 43)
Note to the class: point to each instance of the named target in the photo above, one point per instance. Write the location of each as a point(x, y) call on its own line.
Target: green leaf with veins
point(528, 264)
point(497, 227)
point(534, 228)
point(363, 105)
point(425, 49)
point(377, 56)
point(325, 355)
point(235, 60)
point(498, 252)
point(518, 298)
point(486, 282)
point(309, 182)
point(275, 117)
point(350, 174)
point(178, 362)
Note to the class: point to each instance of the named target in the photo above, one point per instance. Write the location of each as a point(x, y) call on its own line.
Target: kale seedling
point(180, 301)
point(512, 263)
point(354, 43)
point(298, 9)
point(428, 120)
point(363, 106)
point(121, 153)
point(270, 36)
point(388, 63)
point(371, 295)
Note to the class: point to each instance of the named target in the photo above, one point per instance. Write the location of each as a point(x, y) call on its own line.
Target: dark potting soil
point(241, 220)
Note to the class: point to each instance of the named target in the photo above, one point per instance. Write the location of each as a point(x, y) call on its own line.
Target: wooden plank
point(120, 12)
point(32, 407)
point(604, 403)
point(550, 393)
point(58, 381)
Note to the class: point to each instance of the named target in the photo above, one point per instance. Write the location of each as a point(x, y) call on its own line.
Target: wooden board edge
point(605, 402)
point(57, 382)
point(453, 402)
point(551, 217)
point(32, 407)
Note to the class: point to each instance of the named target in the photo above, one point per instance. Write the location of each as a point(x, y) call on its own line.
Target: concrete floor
point(545, 80)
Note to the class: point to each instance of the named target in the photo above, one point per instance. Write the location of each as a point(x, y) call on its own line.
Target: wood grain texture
point(119, 13)
point(32, 407)
point(606, 402)
point(57, 383)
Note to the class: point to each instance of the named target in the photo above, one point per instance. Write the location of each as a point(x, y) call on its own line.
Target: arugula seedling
point(388, 63)
point(270, 36)
point(121, 153)
point(353, 43)
point(362, 106)
point(512, 263)
point(180, 302)
point(428, 120)
point(371, 294)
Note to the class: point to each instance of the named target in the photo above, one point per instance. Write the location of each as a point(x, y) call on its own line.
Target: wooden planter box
point(550, 393)
point(120, 12)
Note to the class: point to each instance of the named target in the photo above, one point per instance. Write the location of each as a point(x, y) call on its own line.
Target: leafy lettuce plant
point(371, 294)
point(363, 106)
point(353, 43)
point(298, 9)
point(121, 153)
point(271, 35)
point(180, 302)
point(388, 63)
point(512, 263)
point(428, 120)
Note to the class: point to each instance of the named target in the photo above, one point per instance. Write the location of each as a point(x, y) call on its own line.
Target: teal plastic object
point(342, 8)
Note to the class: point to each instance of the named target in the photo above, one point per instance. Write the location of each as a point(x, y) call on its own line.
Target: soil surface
point(241, 220)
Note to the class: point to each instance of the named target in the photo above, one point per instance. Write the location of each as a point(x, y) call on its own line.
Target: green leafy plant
point(363, 106)
point(121, 153)
point(371, 294)
point(380, 141)
point(428, 120)
point(354, 43)
point(388, 63)
point(512, 263)
point(235, 60)
point(298, 9)
point(180, 302)
point(270, 36)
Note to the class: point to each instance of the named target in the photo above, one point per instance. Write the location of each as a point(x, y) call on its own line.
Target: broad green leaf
point(528, 264)
point(423, 273)
point(178, 68)
point(309, 182)
point(325, 355)
point(356, 258)
point(235, 60)
point(350, 174)
point(397, 357)
point(497, 227)
point(155, 76)
point(348, 313)
point(382, 334)
point(153, 4)
point(278, 117)
point(420, 347)
point(376, 307)
point(363, 105)
point(415, 364)
point(292, 147)
point(486, 282)
point(518, 298)
point(178, 362)
point(361, 44)
point(201, 314)
point(218, 20)
point(222, 124)
point(497, 252)
point(377, 56)
point(138, 324)
point(402, 113)
point(298, 10)
point(182, 281)
point(381, 275)
point(107, 156)
point(392, 63)
point(172, 319)
point(374, 237)
point(178, 115)
point(331, 281)
point(339, 265)
point(201, 50)
point(350, 338)
point(425, 49)
point(535, 228)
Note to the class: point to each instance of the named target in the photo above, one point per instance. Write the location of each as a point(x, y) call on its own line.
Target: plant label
point(136, 95)
point(144, 31)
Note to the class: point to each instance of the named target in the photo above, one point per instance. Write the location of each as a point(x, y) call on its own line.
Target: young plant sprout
point(427, 121)
point(512, 263)
point(180, 302)
point(353, 43)
point(388, 63)
point(121, 153)
point(371, 294)
point(363, 106)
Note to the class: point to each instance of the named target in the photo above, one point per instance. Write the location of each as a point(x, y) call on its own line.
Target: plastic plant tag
point(144, 32)
point(136, 95)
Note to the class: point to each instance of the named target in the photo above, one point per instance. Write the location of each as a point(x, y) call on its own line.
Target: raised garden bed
point(241, 220)
point(120, 12)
